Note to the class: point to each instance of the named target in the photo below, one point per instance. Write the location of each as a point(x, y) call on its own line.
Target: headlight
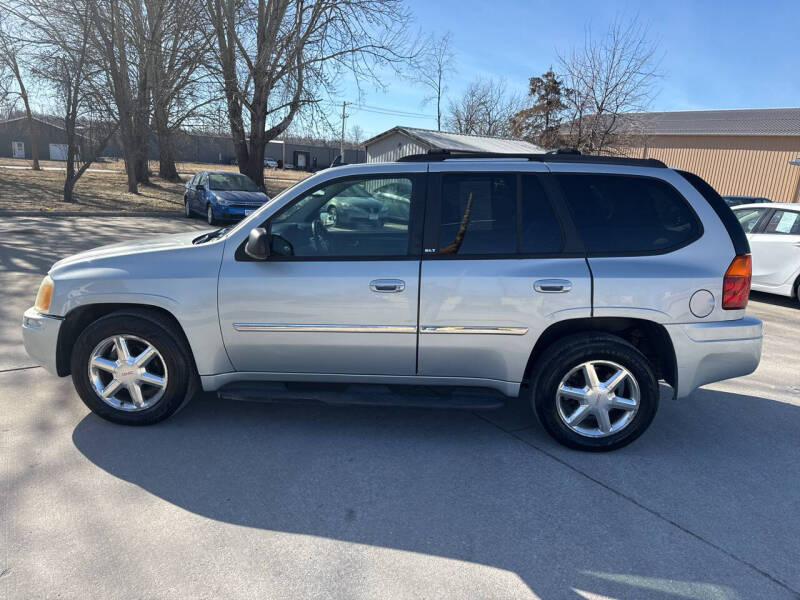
point(44, 295)
point(221, 201)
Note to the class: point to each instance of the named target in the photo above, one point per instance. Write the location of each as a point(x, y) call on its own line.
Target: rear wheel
point(131, 368)
point(594, 392)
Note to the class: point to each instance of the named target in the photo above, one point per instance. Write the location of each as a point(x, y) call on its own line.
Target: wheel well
point(81, 317)
point(651, 339)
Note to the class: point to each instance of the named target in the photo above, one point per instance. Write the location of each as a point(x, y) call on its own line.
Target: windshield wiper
point(207, 237)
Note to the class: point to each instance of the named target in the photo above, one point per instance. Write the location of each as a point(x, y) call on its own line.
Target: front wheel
point(132, 368)
point(187, 212)
point(210, 215)
point(594, 392)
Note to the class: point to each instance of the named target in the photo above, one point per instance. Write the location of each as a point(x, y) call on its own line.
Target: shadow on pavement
point(450, 484)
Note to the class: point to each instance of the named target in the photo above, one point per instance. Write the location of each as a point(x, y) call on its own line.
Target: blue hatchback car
point(222, 196)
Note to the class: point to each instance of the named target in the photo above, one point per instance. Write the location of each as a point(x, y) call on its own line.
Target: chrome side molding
point(474, 330)
point(322, 328)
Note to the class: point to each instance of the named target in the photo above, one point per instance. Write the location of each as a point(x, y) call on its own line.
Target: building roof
point(754, 121)
point(460, 142)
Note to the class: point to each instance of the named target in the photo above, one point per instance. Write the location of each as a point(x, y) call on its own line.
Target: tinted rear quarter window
point(628, 214)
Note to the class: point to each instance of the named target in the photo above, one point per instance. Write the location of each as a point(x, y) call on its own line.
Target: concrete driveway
point(238, 500)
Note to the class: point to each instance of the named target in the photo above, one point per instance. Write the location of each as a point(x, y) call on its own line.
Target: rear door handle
point(387, 286)
point(552, 286)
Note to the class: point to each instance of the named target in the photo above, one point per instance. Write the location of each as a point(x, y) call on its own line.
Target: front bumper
point(234, 211)
point(40, 336)
point(708, 352)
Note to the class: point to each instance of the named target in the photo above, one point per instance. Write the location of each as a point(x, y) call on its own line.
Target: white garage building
point(403, 141)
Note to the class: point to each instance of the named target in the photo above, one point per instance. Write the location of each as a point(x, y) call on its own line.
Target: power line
point(390, 112)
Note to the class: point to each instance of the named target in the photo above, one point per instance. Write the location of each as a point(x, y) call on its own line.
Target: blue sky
point(734, 54)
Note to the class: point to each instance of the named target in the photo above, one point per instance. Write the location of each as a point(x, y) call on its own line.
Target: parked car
point(351, 205)
point(738, 200)
point(270, 163)
point(574, 282)
point(774, 235)
point(222, 195)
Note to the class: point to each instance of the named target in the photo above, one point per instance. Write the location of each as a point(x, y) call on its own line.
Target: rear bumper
point(708, 352)
point(40, 336)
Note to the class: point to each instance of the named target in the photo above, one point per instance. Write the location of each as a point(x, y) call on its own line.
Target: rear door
point(501, 263)
point(776, 250)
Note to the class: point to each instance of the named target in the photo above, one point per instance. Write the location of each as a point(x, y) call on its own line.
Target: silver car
point(773, 231)
point(574, 283)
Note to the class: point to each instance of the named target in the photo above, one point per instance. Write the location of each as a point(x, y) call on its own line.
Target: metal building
point(403, 141)
point(751, 152)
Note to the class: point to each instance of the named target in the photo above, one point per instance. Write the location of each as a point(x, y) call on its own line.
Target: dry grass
point(105, 189)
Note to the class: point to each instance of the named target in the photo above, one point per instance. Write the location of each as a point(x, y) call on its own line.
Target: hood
point(154, 244)
point(242, 197)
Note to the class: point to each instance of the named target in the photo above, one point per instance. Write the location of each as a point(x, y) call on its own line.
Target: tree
point(118, 32)
point(12, 48)
point(356, 135)
point(178, 44)
point(539, 123)
point(607, 80)
point(278, 57)
point(58, 34)
point(437, 62)
point(485, 108)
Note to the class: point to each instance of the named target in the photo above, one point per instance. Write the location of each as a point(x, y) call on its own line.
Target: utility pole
point(341, 144)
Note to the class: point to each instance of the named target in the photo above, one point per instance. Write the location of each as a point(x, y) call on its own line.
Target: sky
point(714, 55)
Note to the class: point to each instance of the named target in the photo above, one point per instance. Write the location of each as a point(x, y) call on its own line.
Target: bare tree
point(607, 80)
point(178, 46)
point(12, 50)
point(278, 57)
point(356, 135)
point(485, 108)
point(58, 33)
point(117, 31)
point(436, 64)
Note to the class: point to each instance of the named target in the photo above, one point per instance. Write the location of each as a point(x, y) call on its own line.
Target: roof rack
point(561, 155)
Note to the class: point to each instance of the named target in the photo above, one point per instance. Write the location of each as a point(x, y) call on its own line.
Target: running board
point(460, 398)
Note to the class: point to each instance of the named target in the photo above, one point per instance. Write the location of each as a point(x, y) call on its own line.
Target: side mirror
point(257, 246)
point(201, 188)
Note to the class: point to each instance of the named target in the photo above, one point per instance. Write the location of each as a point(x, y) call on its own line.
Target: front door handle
point(387, 286)
point(552, 286)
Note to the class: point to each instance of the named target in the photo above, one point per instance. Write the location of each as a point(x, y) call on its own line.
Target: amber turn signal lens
point(736, 284)
point(44, 296)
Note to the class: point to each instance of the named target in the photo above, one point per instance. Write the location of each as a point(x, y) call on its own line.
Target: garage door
point(58, 152)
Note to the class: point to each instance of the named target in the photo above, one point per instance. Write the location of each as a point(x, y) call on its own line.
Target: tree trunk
point(255, 164)
point(166, 160)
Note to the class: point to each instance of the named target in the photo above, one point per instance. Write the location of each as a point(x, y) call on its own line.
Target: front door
point(338, 295)
point(499, 267)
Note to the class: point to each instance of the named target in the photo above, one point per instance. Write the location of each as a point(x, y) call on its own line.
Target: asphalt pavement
point(246, 500)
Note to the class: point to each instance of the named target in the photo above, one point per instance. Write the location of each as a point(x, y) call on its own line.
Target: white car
point(774, 234)
point(270, 163)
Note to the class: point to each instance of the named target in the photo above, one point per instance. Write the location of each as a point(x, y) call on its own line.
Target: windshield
point(231, 182)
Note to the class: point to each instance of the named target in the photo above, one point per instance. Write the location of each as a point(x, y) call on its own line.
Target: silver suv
point(576, 283)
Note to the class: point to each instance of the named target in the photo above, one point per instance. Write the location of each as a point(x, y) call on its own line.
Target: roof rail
point(569, 156)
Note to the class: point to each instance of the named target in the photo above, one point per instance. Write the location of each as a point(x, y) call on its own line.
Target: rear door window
point(620, 214)
point(784, 222)
point(479, 214)
point(540, 230)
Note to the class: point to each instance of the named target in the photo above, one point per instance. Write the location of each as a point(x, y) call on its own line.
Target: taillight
point(736, 284)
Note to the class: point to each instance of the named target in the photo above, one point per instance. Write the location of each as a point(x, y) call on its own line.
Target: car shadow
point(774, 299)
point(459, 485)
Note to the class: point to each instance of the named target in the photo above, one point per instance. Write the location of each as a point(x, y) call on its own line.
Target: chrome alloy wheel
point(598, 398)
point(127, 373)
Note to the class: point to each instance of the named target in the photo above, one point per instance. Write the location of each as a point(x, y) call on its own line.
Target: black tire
point(797, 290)
point(570, 352)
point(162, 335)
point(187, 212)
point(210, 215)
